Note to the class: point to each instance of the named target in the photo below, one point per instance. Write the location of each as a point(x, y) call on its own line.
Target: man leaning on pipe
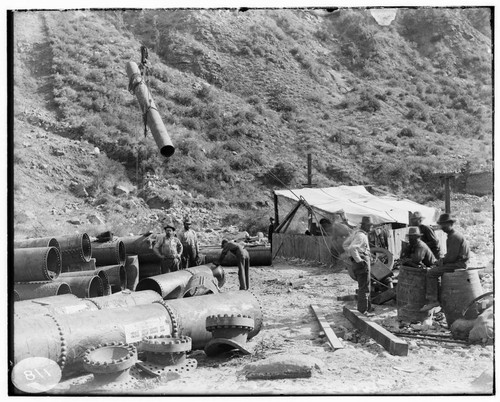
point(243, 261)
point(169, 249)
point(457, 256)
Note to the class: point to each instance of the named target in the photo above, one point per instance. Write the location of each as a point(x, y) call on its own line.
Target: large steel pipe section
point(79, 266)
point(141, 246)
point(75, 248)
point(192, 313)
point(173, 284)
point(149, 110)
point(259, 256)
point(99, 272)
point(109, 253)
point(36, 264)
point(64, 338)
point(34, 290)
point(38, 242)
point(84, 286)
point(117, 277)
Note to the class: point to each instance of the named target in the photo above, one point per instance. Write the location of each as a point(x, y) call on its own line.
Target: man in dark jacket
point(428, 235)
point(457, 256)
point(270, 231)
point(243, 261)
point(416, 253)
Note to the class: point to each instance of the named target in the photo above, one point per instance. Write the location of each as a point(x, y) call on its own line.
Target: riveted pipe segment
point(84, 286)
point(259, 256)
point(40, 336)
point(170, 285)
point(148, 107)
point(142, 247)
point(192, 313)
point(38, 242)
point(99, 272)
point(126, 298)
point(117, 277)
point(79, 266)
point(36, 264)
point(75, 248)
point(109, 253)
point(34, 290)
point(132, 271)
point(61, 304)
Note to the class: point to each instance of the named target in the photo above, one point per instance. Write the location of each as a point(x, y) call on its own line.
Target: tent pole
point(290, 215)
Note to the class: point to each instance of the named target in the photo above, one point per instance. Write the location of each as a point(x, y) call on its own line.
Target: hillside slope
point(245, 96)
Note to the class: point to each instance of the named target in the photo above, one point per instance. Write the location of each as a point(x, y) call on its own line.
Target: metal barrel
point(132, 271)
point(152, 116)
point(109, 253)
point(99, 272)
point(38, 242)
point(64, 338)
point(117, 277)
point(147, 269)
point(34, 290)
point(84, 286)
point(173, 284)
point(75, 248)
point(259, 256)
point(192, 313)
point(36, 264)
point(79, 266)
point(141, 247)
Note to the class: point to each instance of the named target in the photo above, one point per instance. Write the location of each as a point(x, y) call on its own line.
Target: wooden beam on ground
point(335, 342)
point(389, 341)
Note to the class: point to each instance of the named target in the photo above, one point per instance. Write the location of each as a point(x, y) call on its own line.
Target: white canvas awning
point(355, 202)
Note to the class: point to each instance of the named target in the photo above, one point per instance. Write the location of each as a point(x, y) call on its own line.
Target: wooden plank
point(335, 342)
point(389, 341)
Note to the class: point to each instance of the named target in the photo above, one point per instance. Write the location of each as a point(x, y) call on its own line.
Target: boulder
point(283, 366)
point(119, 190)
point(95, 220)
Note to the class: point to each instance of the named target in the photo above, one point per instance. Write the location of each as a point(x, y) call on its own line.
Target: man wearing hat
point(359, 250)
point(428, 235)
point(169, 249)
point(270, 231)
point(457, 256)
point(417, 253)
point(189, 242)
point(243, 261)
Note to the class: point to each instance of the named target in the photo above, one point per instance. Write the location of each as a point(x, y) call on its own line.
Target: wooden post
point(447, 208)
point(276, 214)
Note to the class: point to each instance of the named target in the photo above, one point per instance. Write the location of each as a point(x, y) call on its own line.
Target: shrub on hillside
point(282, 174)
point(406, 132)
point(368, 102)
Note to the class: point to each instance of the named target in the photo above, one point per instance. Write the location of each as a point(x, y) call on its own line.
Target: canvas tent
point(355, 202)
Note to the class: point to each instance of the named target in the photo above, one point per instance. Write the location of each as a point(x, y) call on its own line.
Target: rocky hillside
point(245, 97)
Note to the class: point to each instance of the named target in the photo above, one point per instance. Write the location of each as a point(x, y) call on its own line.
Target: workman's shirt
point(235, 248)
point(189, 239)
point(430, 238)
point(457, 249)
point(169, 247)
point(359, 249)
point(419, 253)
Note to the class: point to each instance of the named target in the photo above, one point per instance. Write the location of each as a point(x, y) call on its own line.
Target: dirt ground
point(286, 290)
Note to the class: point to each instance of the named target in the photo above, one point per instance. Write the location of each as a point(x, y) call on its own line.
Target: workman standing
point(270, 231)
point(428, 235)
point(243, 261)
point(189, 242)
point(359, 251)
point(417, 253)
point(457, 256)
point(169, 249)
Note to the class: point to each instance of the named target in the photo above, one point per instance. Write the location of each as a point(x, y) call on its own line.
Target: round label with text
point(36, 375)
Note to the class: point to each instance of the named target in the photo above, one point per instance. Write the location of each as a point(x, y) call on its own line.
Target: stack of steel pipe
point(64, 338)
point(89, 274)
point(142, 247)
point(84, 286)
point(259, 256)
point(109, 253)
point(75, 249)
point(34, 290)
point(117, 277)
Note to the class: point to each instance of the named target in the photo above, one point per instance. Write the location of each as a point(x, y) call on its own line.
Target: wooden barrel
point(458, 289)
point(410, 294)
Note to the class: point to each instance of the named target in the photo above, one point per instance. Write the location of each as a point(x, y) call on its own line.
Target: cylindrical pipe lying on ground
point(36, 264)
point(34, 290)
point(109, 253)
point(75, 248)
point(65, 337)
point(259, 256)
point(99, 272)
point(117, 277)
point(79, 266)
point(71, 304)
point(38, 242)
point(141, 246)
point(132, 271)
point(148, 108)
point(172, 285)
point(84, 286)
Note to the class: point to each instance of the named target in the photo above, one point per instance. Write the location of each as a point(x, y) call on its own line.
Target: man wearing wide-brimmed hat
point(457, 256)
point(243, 261)
point(189, 242)
point(428, 235)
point(169, 249)
point(417, 253)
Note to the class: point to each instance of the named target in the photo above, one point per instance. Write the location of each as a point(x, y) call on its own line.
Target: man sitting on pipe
point(169, 249)
point(243, 261)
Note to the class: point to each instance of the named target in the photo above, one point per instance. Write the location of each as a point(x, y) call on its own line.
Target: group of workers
point(423, 250)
